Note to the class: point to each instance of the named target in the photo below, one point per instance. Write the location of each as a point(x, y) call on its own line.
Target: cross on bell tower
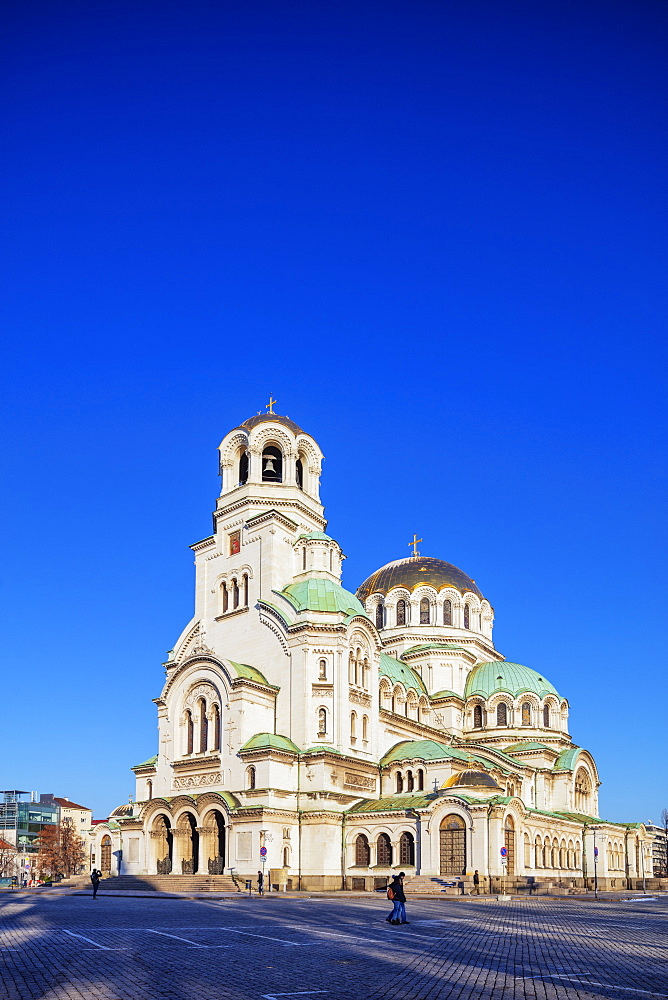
point(270, 405)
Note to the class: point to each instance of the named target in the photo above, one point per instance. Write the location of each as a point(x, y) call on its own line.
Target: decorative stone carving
point(197, 780)
point(360, 698)
point(352, 780)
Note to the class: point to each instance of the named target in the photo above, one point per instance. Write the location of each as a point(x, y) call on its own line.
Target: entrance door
point(453, 845)
point(105, 854)
point(509, 842)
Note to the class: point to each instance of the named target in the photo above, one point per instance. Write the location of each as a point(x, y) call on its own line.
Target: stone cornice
point(205, 543)
point(294, 505)
point(196, 764)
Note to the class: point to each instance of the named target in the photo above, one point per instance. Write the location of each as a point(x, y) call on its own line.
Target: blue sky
point(436, 232)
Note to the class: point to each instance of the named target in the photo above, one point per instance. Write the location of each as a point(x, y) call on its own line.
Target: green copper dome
point(487, 679)
point(322, 595)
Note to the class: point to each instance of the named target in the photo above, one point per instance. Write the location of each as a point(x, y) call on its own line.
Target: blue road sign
point(263, 852)
point(504, 852)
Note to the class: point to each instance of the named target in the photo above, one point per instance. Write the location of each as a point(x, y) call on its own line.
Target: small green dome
point(318, 536)
point(322, 595)
point(487, 679)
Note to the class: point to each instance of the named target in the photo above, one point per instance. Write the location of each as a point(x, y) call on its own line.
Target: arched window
point(190, 732)
point(362, 851)
point(383, 850)
point(406, 849)
point(303, 558)
point(502, 714)
point(299, 469)
point(538, 847)
point(322, 670)
point(424, 611)
point(409, 781)
point(353, 727)
point(527, 851)
point(226, 598)
point(149, 789)
point(245, 582)
point(272, 465)
point(582, 791)
point(235, 594)
point(467, 616)
point(243, 468)
point(250, 777)
point(365, 727)
point(526, 713)
point(216, 727)
point(400, 781)
point(477, 717)
point(546, 716)
point(401, 612)
point(322, 722)
point(420, 780)
point(447, 612)
point(286, 857)
point(365, 674)
point(203, 727)
point(379, 616)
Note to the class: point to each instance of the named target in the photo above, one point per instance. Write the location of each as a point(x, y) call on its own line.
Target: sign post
point(263, 858)
point(504, 863)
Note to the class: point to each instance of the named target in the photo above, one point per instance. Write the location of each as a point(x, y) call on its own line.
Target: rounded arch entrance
point(163, 843)
point(214, 842)
point(452, 845)
point(105, 855)
point(187, 834)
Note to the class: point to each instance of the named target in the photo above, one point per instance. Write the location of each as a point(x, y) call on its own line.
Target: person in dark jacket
point(398, 914)
point(476, 882)
point(260, 883)
point(95, 879)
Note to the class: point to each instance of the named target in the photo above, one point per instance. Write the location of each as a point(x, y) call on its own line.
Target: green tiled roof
point(400, 673)
point(279, 611)
point(433, 645)
point(322, 595)
point(394, 803)
point(531, 745)
point(566, 760)
point(444, 694)
point(514, 679)
point(151, 762)
point(323, 749)
point(270, 741)
point(317, 536)
point(250, 673)
point(427, 750)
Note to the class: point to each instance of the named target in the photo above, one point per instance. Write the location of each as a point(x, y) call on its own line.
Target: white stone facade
point(320, 728)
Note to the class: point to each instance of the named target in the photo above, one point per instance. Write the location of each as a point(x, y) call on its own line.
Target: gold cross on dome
point(270, 405)
point(414, 543)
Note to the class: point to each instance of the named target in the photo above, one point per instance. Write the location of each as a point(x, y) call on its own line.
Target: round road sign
point(263, 852)
point(504, 852)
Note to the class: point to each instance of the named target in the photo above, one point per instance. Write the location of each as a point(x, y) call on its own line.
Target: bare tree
point(61, 850)
point(8, 858)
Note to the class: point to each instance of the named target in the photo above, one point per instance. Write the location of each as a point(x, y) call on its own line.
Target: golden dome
point(414, 572)
point(472, 779)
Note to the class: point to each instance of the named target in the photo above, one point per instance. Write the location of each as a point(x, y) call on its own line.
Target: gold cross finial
point(414, 543)
point(270, 404)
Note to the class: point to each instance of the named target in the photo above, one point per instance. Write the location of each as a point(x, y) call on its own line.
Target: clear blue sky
point(436, 232)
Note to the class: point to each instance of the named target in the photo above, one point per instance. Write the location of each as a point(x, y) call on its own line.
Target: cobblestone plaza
point(69, 947)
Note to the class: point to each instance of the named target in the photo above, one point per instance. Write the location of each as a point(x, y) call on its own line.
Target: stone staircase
point(173, 883)
point(425, 883)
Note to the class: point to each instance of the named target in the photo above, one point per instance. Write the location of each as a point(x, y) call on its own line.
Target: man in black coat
point(95, 879)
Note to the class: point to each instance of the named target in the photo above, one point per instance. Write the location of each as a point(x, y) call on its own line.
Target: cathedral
point(330, 737)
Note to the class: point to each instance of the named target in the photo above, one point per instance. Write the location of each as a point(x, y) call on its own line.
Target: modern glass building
point(22, 819)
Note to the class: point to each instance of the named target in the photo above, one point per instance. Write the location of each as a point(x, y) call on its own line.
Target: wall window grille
point(526, 714)
point(467, 616)
point(477, 717)
point(362, 851)
point(322, 670)
point(447, 612)
point(379, 616)
point(424, 611)
point(203, 727)
point(546, 716)
point(383, 850)
point(190, 733)
point(406, 849)
point(322, 721)
point(502, 714)
point(401, 612)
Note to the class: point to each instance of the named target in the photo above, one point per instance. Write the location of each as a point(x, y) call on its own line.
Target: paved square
point(69, 947)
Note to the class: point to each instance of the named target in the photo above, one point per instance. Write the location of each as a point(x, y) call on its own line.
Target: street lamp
point(594, 829)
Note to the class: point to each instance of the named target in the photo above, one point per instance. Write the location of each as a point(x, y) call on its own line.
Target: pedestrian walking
point(260, 883)
point(476, 882)
point(95, 879)
point(395, 892)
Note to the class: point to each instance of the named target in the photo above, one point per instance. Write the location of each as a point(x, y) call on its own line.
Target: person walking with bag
point(395, 892)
